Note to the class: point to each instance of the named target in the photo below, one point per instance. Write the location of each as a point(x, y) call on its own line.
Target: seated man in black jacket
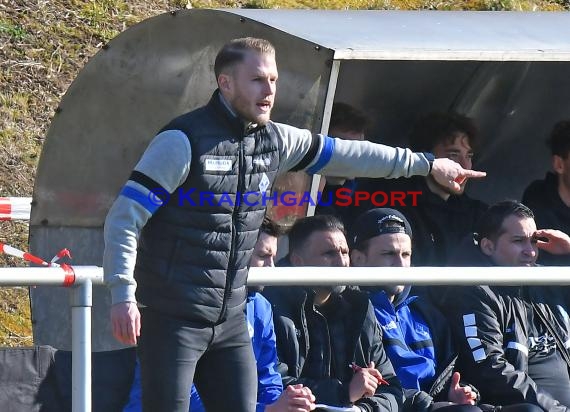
point(549, 198)
point(328, 339)
point(439, 218)
point(513, 340)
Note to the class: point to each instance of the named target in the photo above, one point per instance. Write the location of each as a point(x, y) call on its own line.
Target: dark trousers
point(219, 359)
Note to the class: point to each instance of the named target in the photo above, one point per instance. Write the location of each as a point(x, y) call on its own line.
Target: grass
point(15, 326)
point(14, 31)
point(44, 44)
point(15, 323)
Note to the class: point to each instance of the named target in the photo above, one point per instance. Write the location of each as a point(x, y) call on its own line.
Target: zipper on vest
point(231, 273)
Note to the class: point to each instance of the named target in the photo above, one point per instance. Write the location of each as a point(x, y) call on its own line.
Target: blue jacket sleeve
point(135, 395)
point(196, 404)
point(270, 386)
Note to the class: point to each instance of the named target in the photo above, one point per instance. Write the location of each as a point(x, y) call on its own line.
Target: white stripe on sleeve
point(518, 346)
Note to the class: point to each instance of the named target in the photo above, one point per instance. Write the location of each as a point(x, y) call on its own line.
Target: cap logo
point(400, 226)
point(390, 218)
point(386, 224)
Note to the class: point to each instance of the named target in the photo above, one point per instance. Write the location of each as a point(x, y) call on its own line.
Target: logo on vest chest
point(262, 161)
point(217, 165)
point(264, 183)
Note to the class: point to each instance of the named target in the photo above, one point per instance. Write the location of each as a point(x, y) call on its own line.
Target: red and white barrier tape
point(15, 208)
point(19, 208)
point(59, 255)
point(12, 251)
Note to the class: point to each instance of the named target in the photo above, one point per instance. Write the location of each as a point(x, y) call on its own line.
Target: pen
point(356, 368)
point(460, 179)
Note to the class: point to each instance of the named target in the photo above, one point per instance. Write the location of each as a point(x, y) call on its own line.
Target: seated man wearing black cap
point(329, 340)
point(415, 334)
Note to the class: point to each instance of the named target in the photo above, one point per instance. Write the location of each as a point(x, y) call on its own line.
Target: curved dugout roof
point(506, 72)
point(427, 35)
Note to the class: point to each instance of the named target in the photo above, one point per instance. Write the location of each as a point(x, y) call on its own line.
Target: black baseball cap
point(376, 222)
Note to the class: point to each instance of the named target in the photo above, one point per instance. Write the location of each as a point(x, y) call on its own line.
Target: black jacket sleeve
point(387, 397)
point(479, 320)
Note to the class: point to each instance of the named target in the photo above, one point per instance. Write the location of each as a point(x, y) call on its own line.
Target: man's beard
point(260, 119)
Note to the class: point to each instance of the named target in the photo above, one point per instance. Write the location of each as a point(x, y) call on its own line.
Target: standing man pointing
point(186, 260)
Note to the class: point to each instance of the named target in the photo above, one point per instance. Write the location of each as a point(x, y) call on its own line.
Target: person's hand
point(462, 395)
point(295, 398)
point(553, 241)
point(364, 382)
point(126, 322)
point(450, 174)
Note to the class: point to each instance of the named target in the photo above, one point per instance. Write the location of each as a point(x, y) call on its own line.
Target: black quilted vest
point(194, 252)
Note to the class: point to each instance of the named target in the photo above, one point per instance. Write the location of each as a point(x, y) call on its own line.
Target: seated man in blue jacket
point(327, 339)
point(415, 333)
point(270, 394)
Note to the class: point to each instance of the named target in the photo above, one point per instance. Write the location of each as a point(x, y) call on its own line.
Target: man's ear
point(558, 164)
point(225, 82)
point(357, 258)
point(295, 259)
point(487, 246)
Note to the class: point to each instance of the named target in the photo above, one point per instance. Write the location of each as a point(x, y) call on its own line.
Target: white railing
point(81, 279)
point(361, 276)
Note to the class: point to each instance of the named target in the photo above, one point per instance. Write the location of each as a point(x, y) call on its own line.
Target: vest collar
point(245, 127)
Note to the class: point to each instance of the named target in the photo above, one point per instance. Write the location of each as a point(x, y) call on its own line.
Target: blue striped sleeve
point(150, 201)
point(325, 155)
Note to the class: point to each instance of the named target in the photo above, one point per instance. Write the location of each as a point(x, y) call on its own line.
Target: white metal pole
point(50, 276)
point(542, 275)
point(364, 276)
point(81, 302)
point(35, 276)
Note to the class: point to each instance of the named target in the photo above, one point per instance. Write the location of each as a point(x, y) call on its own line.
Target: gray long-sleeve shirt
point(167, 161)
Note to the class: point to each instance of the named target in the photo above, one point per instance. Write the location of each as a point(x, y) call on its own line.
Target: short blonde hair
point(234, 52)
